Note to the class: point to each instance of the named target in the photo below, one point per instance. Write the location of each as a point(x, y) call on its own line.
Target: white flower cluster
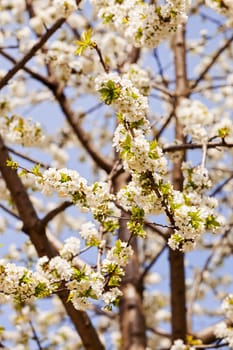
point(96, 198)
point(25, 132)
point(116, 259)
point(19, 282)
point(195, 118)
point(134, 194)
point(89, 232)
point(119, 255)
point(71, 248)
point(222, 331)
point(195, 178)
point(138, 153)
point(227, 307)
point(65, 182)
point(83, 283)
point(142, 24)
point(191, 213)
point(194, 213)
point(121, 92)
point(179, 345)
point(129, 139)
point(139, 77)
point(65, 7)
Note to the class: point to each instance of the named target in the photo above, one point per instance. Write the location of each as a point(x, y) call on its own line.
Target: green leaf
point(36, 170)
point(223, 132)
point(85, 42)
point(110, 92)
point(64, 178)
point(211, 222)
point(12, 164)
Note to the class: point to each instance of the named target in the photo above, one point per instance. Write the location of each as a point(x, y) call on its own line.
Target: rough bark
point(33, 226)
point(176, 258)
point(132, 320)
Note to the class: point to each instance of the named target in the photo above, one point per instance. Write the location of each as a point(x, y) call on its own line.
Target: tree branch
point(51, 215)
point(186, 146)
point(212, 62)
point(100, 160)
point(31, 52)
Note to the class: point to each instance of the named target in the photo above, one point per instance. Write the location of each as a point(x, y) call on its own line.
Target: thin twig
point(8, 211)
point(160, 67)
point(150, 265)
point(212, 62)
point(104, 65)
point(164, 126)
point(220, 187)
point(35, 336)
point(185, 146)
point(29, 159)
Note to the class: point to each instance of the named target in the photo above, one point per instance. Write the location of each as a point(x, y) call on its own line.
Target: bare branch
point(29, 159)
point(31, 52)
point(212, 62)
point(186, 146)
point(100, 160)
point(51, 215)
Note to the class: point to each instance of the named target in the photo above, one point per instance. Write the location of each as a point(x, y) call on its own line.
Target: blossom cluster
point(65, 7)
point(195, 118)
point(149, 192)
point(224, 330)
point(179, 345)
point(16, 129)
point(201, 124)
point(83, 283)
point(96, 197)
point(145, 25)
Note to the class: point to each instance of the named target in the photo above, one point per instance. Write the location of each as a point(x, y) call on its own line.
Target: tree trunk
point(132, 319)
point(176, 258)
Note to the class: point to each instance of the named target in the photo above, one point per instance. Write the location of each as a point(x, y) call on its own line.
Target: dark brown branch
point(160, 67)
point(56, 211)
point(186, 146)
point(100, 160)
point(167, 121)
point(44, 80)
point(104, 65)
point(31, 52)
point(8, 211)
point(220, 187)
point(212, 62)
point(35, 336)
point(29, 159)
